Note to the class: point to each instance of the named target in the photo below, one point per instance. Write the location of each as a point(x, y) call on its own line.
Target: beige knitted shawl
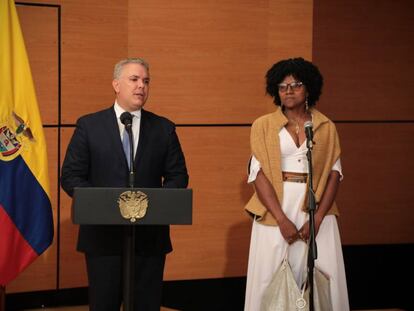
point(265, 146)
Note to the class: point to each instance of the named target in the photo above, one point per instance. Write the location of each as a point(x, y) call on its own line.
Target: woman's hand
point(304, 232)
point(324, 206)
point(267, 196)
point(288, 230)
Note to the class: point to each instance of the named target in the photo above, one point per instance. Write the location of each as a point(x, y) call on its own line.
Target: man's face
point(132, 87)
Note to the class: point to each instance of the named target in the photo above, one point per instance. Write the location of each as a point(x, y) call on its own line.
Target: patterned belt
point(295, 177)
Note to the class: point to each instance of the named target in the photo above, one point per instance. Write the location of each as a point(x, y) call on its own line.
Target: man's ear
point(115, 85)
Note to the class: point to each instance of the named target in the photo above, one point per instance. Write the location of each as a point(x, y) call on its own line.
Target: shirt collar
point(119, 110)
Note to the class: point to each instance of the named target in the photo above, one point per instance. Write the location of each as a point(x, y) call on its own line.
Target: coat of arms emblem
point(9, 144)
point(13, 133)
point(133, 205)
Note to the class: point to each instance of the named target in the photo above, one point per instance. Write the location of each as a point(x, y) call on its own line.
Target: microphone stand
point(313, 251)
point(129, 239)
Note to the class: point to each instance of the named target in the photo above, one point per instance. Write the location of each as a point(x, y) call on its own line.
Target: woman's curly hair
point(302, 70)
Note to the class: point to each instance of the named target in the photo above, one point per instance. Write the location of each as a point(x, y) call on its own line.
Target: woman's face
point(292, 93)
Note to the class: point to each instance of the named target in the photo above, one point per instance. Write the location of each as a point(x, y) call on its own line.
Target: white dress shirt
point(136, 122)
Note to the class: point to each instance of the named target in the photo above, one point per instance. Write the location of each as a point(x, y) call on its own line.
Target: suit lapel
point(143, 137)
point(113, 135)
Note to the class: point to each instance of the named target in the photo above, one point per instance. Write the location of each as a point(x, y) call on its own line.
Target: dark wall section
point(365, 49)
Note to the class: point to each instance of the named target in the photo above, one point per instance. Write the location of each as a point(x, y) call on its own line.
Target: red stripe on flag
point(14, 246)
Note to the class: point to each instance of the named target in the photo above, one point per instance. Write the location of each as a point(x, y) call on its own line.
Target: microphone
point(309, 132)
point(126, 119)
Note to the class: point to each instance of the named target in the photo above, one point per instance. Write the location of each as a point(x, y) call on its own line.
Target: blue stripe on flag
point(26, 203)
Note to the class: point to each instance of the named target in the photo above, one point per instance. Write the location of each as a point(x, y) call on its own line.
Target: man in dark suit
point(95, 158)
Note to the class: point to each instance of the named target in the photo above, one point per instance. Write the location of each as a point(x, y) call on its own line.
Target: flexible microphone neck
point(126, 119)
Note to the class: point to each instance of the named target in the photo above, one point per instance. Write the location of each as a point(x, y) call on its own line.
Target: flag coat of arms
point(26, 220)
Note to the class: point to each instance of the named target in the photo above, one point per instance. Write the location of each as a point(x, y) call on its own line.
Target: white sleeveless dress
point(268, 247)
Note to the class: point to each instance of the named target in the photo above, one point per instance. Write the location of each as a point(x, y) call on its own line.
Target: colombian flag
point(26, 223)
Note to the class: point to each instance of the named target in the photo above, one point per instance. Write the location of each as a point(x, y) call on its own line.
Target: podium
point(104, 206)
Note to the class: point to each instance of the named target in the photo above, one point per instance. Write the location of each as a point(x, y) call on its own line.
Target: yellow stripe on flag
point(18, 104)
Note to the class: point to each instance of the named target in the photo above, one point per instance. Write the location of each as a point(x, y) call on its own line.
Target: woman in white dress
point(278, 170)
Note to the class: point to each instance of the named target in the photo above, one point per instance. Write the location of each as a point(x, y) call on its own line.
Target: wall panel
point(72, 267)
point(367, 59)
point(209, 58)
point(290, 29)
point(216, 244)
point(40, 31)
point(94, 37)
point(375, 197)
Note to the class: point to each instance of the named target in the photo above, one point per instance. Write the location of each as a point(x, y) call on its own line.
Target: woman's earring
point(306, 104)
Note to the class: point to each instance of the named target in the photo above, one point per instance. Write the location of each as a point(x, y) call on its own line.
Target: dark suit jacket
point(95, 158)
